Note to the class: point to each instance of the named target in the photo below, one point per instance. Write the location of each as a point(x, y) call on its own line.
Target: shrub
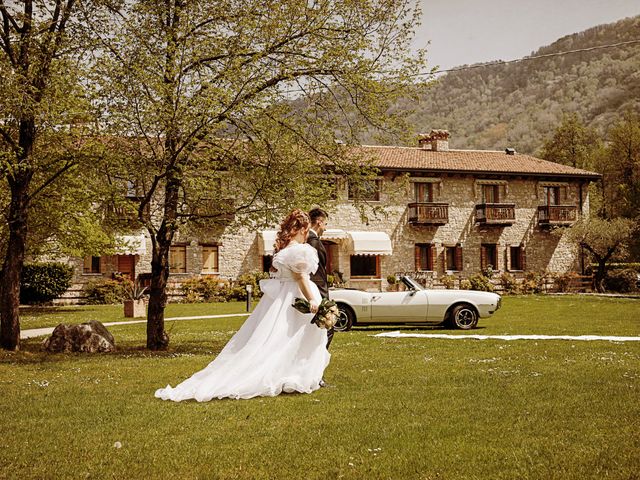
point(239, 291)
point(622, 281)
point(481, 282)
point(533, 283)
point(392, 279)
point(465, 284)
point(509, 283)
point(42, 282)
point(206, 289)
point(103, 292)
point(449, 281)
point(563, 281)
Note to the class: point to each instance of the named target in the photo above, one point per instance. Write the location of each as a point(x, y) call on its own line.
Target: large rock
point(88, 337)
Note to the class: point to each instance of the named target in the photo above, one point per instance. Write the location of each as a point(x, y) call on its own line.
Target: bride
point(277, 349)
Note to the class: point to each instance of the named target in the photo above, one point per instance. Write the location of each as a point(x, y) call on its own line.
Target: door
point(390, 307)
point(127, 266)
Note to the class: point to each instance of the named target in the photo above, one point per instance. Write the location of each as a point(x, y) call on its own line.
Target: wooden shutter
point(417, 256)
point(483, 257)
point(433, 251)
point(523, 265)
point(563, 196)
point(502, 193)
point(458, 258)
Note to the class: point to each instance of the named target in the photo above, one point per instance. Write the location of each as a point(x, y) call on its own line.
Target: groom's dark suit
point(319, 277)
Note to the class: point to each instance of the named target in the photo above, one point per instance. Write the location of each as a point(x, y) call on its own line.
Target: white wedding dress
point(276, 350)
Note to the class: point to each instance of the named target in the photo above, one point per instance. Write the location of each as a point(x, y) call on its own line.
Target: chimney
point(437, 141)
point(510, 151)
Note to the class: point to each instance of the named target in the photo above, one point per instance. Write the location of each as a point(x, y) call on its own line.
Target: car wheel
point(345, 319)
point(464, 317)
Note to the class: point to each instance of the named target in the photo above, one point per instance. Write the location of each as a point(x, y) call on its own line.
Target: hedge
point(42, 282)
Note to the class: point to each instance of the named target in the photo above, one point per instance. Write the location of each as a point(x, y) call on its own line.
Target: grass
point(408, 408)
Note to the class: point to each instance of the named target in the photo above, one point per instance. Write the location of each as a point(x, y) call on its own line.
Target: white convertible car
point(455, 308)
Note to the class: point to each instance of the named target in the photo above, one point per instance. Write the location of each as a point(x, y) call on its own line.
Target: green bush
point(481, 282)
point(42, 282)
point(509, 283)
point(103, 292)
point(449, 281)
point(206, 289)
point(533, 283)
point(622, 281)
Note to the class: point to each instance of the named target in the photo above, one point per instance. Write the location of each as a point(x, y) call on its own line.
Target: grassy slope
point(400, 408)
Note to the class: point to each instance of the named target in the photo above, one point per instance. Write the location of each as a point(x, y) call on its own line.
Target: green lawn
point(408, 408)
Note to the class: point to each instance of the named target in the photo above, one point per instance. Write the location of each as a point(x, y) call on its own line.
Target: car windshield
point(411, 284)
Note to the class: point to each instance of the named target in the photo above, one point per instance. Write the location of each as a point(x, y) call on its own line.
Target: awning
point(334, 234)
point(131, 244)
point(371, 243)
point(266, 241)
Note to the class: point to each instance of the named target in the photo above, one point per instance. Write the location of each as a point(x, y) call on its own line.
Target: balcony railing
point(496, 213)
point(428, 213)
point(557, 215)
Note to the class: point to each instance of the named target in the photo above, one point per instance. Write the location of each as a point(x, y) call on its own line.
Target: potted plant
point(393, 286)
point(134, 303)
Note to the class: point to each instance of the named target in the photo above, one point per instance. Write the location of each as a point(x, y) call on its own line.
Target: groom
point(318, 219)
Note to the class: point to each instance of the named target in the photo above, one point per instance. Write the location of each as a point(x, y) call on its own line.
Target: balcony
point(499, 214)
point(557, 215)
point(428, 213)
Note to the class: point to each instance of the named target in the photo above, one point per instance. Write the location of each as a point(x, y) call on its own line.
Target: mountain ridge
point(519, 104)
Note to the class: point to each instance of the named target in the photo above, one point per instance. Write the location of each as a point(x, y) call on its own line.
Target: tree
point(603, 239)
point(201, 95)
point(622, 172)
point(39, 92)
point(572, 143)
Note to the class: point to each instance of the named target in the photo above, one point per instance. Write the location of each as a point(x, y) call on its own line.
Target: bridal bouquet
point(327, 315)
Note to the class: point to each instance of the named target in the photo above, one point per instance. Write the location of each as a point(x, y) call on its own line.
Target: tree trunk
point(13, 263)
point(601, 273)
point(157, 338)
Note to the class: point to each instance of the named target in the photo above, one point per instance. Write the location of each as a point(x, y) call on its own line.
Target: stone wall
point(239, 249)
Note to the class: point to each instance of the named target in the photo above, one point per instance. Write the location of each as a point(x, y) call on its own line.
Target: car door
point(399, 307)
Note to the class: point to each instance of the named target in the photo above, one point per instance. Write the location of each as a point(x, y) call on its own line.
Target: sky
point(472, 31)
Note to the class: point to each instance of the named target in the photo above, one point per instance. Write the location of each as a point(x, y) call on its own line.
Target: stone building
point(448, 212)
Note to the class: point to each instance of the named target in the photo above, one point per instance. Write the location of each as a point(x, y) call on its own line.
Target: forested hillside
point(520, 104)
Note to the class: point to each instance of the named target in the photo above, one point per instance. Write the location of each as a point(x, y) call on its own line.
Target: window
point(209, 259)
point(367, 190)
point(365, 266)
point(267, 261)
point(491, 193)
point(453, 258)
point(516, 258)
point(555, 195)
point(425, 254)
point(178, 259)
point(91, 265)
point(489, 256)
point(423, 192)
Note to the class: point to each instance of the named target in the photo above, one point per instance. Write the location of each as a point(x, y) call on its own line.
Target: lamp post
point(249, 290)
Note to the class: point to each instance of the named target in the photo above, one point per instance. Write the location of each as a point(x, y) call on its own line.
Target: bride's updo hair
point(294, 222)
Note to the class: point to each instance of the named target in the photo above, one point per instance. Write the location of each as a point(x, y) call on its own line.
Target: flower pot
point(135, 308)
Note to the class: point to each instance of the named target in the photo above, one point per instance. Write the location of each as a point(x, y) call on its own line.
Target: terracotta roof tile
point(477, 161)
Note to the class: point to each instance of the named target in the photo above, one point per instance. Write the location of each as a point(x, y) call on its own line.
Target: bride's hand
point(313, 307)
